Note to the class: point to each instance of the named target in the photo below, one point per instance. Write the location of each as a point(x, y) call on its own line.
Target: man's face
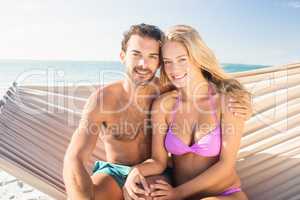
point(141, 59)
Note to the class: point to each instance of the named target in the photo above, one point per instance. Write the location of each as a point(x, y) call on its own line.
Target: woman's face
point(176, 63)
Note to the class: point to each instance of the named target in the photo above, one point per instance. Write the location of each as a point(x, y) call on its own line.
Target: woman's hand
point(164, 191)
point(134, 179)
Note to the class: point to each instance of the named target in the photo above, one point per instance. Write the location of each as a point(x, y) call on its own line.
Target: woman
point(192, 124)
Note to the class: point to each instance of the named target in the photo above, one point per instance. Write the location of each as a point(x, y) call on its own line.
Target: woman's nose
point(175, 67)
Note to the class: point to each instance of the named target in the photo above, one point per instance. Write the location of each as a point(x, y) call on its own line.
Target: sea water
point(53, 73)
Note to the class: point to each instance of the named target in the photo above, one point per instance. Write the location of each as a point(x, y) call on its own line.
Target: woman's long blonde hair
point(203, 57)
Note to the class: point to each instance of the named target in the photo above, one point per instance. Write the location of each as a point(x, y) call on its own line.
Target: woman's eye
point(153, 57)
point(182, 60)
point(166, 62)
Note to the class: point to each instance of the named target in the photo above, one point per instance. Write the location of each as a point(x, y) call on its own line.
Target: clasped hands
point(137, 188)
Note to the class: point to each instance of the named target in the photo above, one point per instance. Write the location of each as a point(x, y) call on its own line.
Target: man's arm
point(240, 107)
point(77, 180)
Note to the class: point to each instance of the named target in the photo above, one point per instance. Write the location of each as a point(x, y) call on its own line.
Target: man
point(119, 114)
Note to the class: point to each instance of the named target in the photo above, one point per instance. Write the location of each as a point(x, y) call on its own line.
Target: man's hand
point(132, 184)
point(241, 107)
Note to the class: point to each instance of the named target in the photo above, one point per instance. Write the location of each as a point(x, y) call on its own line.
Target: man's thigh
point(106, 187)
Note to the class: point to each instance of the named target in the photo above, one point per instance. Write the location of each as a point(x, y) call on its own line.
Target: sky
point(238, 31)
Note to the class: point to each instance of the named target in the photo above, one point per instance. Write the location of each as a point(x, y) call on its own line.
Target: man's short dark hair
point(143, 30)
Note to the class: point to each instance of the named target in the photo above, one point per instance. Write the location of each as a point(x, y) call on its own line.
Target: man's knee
point(106, 187)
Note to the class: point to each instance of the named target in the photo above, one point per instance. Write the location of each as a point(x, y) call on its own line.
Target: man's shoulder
point(107, 90)
point(104, 96)
point(113, 87)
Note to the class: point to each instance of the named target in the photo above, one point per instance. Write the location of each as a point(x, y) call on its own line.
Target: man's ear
point(122, 56)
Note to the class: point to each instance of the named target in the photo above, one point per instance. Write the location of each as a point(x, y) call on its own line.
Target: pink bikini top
point(207, 146)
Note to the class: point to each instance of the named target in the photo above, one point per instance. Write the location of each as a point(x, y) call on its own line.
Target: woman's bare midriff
point(197, 165)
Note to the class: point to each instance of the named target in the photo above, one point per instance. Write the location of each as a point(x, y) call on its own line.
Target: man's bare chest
point(127, 124)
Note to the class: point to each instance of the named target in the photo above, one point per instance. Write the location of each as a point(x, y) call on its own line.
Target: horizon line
point(94, 60)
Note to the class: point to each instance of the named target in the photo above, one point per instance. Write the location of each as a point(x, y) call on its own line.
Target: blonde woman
point(192, 124)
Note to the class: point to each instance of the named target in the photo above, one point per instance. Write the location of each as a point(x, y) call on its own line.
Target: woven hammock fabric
point(37, 122)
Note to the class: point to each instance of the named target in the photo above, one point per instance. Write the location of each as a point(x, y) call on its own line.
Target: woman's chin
point(179, 85)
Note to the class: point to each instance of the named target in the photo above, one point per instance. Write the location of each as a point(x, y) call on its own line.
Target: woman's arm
point(158, 161)
point(232, 130)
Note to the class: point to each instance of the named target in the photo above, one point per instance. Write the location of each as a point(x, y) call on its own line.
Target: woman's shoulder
point(166, 100)
point(167, 96)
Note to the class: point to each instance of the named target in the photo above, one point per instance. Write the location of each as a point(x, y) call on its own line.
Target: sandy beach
point(13, 189)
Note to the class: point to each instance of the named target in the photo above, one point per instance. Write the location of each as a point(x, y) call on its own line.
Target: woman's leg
point(235, 196)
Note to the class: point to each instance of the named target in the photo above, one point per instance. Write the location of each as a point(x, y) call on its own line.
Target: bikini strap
point(212, 103)
point(174, 109)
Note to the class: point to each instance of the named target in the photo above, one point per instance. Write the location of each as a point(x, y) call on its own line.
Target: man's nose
point(142, 63)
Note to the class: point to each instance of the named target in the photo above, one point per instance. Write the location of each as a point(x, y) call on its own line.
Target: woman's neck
point(195, 90)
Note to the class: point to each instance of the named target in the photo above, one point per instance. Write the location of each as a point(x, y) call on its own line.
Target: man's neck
point(140, 93)
point(132, 88)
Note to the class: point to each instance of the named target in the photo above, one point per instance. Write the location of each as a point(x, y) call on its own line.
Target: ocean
point(35, 72)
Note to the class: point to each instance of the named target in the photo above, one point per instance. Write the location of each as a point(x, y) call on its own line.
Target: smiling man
point(118, 114)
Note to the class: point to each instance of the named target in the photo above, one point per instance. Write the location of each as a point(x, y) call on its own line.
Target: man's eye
point(167, 62)
point(135, 54)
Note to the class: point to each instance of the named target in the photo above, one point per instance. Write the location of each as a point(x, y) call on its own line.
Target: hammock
point(37, 122)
